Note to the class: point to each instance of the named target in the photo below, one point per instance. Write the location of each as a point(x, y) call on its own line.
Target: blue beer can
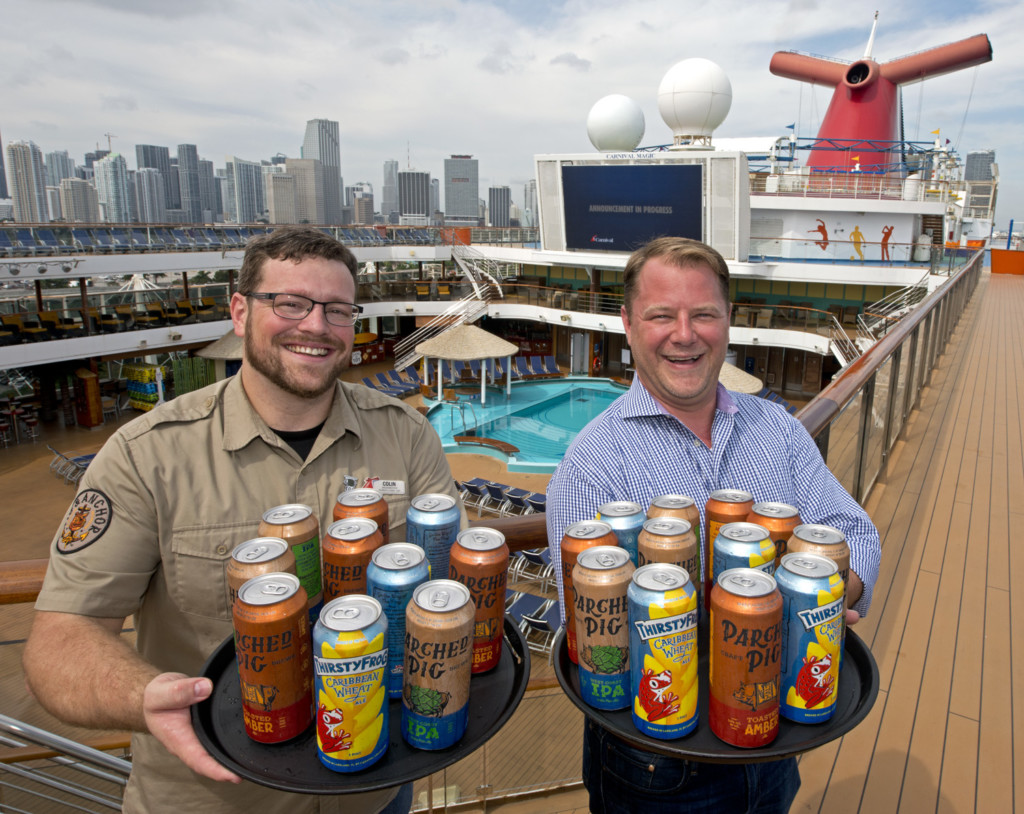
point(432, 523)
point(663, 646)
point(350, 659)
point(626, 519)
point(813, 627)
point(742, 545)
point(391, 577)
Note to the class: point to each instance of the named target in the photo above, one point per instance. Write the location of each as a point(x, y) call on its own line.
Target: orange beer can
point(780, 519)
point(479, 560)
point(723, 506)
point(346, 550)
point(364, 503)
point(262, 555)
point(579, 537)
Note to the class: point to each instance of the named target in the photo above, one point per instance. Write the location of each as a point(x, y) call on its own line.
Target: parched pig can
point(479, 560)
point(432, 523)
point(438, 664)
point(626, 519)
point(579, 537)
point(347, 547)
point(275, 666)
point(814, 623)
point(296, 524)
point(745, 654)
point(779, 519)
point(600, 582)
point(742, 545)
point(253, 558)
point(723, 506)
point(663, 645)
point(367, 503)
point(350, 659)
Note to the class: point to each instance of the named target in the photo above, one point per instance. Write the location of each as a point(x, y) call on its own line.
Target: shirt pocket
point(196, 570)
point(398, 508)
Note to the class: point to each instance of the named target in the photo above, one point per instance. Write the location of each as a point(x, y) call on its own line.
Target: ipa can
point(364, 503)
point(723, 506)
point(663, 643)
point(479, 560)
point(432, 523)
point(263, 555)
point(600, 581)
point(813, 626)
point(272, 647)
point(438, 664)
point(812, 538)
point(347, 548)
point(296, 524)
point(579, 537)
point(743, 545)
point(626, 519)
point(350, 659)
point(780, 519)
point(744, 655)
point(394, 572)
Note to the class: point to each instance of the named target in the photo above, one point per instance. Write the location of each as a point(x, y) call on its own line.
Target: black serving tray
point(858, 688)
point(294, 766)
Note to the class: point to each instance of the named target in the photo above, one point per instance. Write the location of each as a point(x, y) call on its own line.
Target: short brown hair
point(681, 252)
point(289, 243)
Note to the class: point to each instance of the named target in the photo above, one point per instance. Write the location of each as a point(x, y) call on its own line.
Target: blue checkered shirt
point(636, 451)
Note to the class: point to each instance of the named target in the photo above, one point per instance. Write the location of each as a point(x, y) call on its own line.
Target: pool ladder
point(461, 407)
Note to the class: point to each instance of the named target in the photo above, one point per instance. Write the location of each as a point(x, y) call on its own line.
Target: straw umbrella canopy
point(465, 342)
point(228, 347)
point(739, 380)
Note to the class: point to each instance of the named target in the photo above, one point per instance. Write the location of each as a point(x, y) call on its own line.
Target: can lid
point(269, 589)
point(771, 509)
point(398, 556)
point(359, 497)
point(603, 558)
point(806, 564)
point(744, 532)
point(620, 508)
point(353, 612)
point(481, 539)
point(433, 503)
point(352, 528)
point(588, 530)
point(821, 535)
point(672, 502)
point(259, 549)
point(441, 595)
point(289, 513)
point(731, 496)
point(661, 576)
point(667, 526)
point(747, 582)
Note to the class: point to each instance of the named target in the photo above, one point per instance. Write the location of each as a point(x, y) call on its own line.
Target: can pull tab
point(660, 526)
point(255, 552)
point(364, 498)
point(429, 504)
point(480, 538)
point(345, 613)
point(607, 560)
point(400, 558)
point(746, 582)
point(275, 588)
point(440, 599)
point(741, 533)
point(819, 535)
point(664, 579)
point(584, 531)
point(802, 563)
point(348, 528)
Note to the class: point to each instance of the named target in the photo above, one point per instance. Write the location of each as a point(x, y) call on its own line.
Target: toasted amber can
point(479, 560)
point(347, 548)
point(262, 555)
point(745, 657)
point(780, 519)
point(274, 654)
point(579, 537)
point(723, 506)
point(364, 503)
point(814, 538)
point(296, 524)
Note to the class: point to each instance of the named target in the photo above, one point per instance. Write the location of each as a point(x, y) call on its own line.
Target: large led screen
point(616, 208)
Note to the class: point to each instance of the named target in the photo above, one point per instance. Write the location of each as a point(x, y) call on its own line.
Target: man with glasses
point(173, 492)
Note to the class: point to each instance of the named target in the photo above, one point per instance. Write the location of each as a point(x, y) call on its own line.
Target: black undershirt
point(301, 441)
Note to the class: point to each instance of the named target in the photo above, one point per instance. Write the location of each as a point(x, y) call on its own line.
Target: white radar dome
point(615, 123)
point(694, 98)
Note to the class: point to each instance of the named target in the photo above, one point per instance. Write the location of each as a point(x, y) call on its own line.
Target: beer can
point(626, 519)
point(668, 540)
point(813, 626)
point(743, 545)
point(479, 560)
point(685, 508)
point(723, 506)
point(296, 524)
point(600, 582)
point(780, 519)
point(346, 551)
point(744, 655)
point(663, 643)
point(363, 503)
point(275, 666)
point(394, 572)
point(813, 538)
point(432, 523)
point(579, 537)
point(350, 660)
point(438, 664)
point(262, 555)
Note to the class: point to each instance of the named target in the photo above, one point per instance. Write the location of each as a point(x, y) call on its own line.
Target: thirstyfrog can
point(742, 545)
point(626, 519)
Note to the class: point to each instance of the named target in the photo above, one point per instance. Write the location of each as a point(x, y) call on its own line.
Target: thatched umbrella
point(465, 342)
point(739, 380)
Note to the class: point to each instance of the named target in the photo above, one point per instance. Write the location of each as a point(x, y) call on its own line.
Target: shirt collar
point(638, 402)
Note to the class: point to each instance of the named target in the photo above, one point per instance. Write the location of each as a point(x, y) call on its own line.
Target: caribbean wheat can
point(479, 560)
point(579, 537)
point(743, 545)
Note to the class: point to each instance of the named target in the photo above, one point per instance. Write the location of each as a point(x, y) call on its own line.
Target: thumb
point(176, 691)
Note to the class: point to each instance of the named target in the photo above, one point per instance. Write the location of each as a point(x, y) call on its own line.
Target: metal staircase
point(877, 319)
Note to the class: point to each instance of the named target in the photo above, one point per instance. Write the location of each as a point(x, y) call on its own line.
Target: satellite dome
point(694, 97)
point(615, 123)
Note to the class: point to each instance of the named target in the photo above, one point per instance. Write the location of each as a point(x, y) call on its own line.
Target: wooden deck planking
point(959, 767)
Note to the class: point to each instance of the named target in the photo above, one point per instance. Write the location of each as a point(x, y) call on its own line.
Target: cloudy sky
point(503, 80)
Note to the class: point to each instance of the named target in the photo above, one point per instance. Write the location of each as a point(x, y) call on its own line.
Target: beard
point(269, 361)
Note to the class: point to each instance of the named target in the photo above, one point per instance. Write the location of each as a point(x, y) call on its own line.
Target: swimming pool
point(540, 418)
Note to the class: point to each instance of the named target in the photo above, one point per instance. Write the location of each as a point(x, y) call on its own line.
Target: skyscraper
point(321, 143)
point(111, 174)
point(245, 187)
point(150, 196)
point(389, 190)
point(3, 174)
point(207, 192)
point(530, 216)
point(309, 189)
point(461, 188)
point(979, 165)
point(59, 165)
point(28, 182)
point(159, 158)
point(414, 194)
point(281, 197)
point(188, 179)
point(499, 204)
point(435, 196)
point(78, 201)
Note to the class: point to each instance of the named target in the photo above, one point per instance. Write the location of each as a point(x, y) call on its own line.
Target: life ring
point(596, 366)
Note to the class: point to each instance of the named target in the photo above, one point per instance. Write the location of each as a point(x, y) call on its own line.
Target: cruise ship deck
point(944, 625)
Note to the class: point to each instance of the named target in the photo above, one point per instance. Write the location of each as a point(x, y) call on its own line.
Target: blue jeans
point(621, 778)
point(402, 803)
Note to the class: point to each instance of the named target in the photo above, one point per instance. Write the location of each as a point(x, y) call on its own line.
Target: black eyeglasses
point(295, 306)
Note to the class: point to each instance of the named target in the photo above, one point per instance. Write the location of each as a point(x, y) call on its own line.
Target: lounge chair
point(517, 502)
point(540, 629)
point(538, 501)
point(551, 367)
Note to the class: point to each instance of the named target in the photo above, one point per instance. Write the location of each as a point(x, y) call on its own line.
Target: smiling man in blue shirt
point(678, 431)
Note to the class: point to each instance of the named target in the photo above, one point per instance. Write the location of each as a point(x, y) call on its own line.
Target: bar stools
point(5, 433)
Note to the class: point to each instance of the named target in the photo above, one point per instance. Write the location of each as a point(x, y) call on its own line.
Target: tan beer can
point(579, 537)
point(262, 555)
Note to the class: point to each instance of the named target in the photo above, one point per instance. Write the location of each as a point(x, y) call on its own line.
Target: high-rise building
point(159, 158)
point(93, 157)
point(59, 165)
point(188, 180)
point(389, 190)
point(530, 217)
point(150, 196)
point(321, 143)
point(309, 189)
point(28, 182)
point(245, 189)
point(3, 173)
point(111, 174)
point(414, 194)
point(979, 165)
point(207, 192)
point(499, 204)
point(53, 206)
point(281, 197)
point(461, 188)
point(435, 197)
point(78, 201)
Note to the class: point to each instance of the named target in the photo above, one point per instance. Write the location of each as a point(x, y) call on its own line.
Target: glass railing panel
point(843, 443)
point(874, 443)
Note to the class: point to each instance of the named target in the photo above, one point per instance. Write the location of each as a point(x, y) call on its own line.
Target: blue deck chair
point(412, 374)
point(540, 629)
point(498, 497)
point(551, 366)
point(387, 386)
point(395, 378)
point(527, 604)
point(538, 502)
point(476, 495)
point(379, 388)
point(537, 366)
point(536, 567)
point(517, 502)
